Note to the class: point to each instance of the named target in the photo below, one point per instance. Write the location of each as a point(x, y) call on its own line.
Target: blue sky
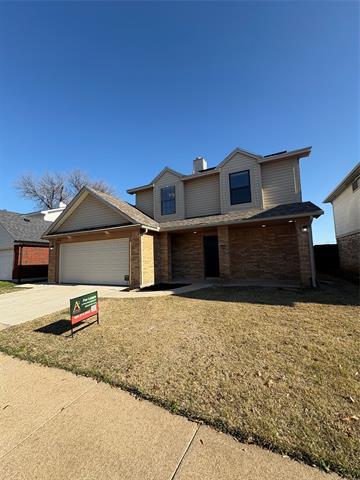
point(123, 89)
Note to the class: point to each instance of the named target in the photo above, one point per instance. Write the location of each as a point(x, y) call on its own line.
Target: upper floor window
point(356, 183)
point(240, 191)
point(168, 204)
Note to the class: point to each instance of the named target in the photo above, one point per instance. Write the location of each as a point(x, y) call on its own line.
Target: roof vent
point(199, 164)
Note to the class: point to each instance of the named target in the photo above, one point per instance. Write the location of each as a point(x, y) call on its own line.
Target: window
point(168, 204)
point(356, 183)
point(240, 191)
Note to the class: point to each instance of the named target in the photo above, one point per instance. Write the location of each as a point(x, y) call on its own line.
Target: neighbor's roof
point(350, 177)
point(298, 153)
point(290, 210)
point(23, 228)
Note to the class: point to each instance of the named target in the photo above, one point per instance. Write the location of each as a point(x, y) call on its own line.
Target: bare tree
point(78, 179)
point(52, 188)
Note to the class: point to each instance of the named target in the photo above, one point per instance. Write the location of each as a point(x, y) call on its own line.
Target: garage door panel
point(6, 264)
point(98, 262)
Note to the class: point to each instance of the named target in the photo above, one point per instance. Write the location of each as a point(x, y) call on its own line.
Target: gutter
point(315, 213)
point(103, 229)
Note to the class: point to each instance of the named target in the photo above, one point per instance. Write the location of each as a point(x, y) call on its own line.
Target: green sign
point(84, 307)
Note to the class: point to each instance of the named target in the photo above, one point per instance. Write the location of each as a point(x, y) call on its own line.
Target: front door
point(211, 256)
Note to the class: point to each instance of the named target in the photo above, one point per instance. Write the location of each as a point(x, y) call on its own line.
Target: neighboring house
point(345, 200)
point(48, 215)
point(243, 220)
point(24, 254)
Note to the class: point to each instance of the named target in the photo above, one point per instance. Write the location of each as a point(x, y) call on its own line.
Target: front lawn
point(280, 368)
point(6, 287)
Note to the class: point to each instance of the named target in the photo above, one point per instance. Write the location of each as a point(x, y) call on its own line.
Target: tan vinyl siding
point(92, 213)
point(280, 182)
point(145, 202)
point(347, 212)
point(237, 163)
point(6, 241)
point(202, 196)
point(166, 180)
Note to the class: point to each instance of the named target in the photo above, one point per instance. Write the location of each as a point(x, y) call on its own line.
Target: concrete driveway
point(55, 425)
point(36, 300)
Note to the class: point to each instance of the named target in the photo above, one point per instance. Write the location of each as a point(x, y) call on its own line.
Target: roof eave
point(350, 177)
point(299, 153)
point(131, 191)
point(100, 229)
point(315, 214)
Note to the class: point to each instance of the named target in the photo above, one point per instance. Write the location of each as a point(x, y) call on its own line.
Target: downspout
point(312, 258)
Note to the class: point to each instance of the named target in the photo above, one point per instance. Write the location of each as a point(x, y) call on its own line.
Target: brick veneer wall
point(349, 253)
point(269, 253)
point(278, 252)
point(188, 254)
point(147, 260)
point(162, 247)
point(30, 261)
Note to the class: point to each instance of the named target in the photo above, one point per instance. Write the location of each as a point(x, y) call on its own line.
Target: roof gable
point(92, 212)
point(91, 209)
point(238, 150)
point(166, 170)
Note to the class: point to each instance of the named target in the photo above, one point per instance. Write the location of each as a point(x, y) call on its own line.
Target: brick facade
point(276, 252)
point(304, 251)
point(264, 253)
point(30, 261)
point(224, 252)
point(162, 246)
point(147, 260)
point(279, 252)
point(187, 254)
point(349, 253)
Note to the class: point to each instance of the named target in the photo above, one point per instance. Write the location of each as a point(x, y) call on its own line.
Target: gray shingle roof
point(286, 211)
point(23, 228)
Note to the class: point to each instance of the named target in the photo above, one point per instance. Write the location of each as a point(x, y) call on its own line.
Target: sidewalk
point(56, 425)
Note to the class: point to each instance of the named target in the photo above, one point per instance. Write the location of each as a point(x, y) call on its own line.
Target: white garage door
point(6, 264)
point(104, 262)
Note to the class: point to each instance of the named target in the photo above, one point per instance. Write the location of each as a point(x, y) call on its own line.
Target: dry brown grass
point(276, 367)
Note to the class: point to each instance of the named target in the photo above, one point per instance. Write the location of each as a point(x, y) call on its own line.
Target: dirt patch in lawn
point(280, 368)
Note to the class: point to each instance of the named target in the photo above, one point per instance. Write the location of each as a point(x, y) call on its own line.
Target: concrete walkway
point(36, 300)
point(55, 425)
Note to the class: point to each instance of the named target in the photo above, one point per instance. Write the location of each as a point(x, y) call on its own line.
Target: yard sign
point(82, 308)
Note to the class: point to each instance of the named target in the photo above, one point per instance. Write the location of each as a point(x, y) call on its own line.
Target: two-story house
point(241, 221)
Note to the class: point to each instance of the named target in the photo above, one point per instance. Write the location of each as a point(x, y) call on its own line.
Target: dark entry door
point(211, 256)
